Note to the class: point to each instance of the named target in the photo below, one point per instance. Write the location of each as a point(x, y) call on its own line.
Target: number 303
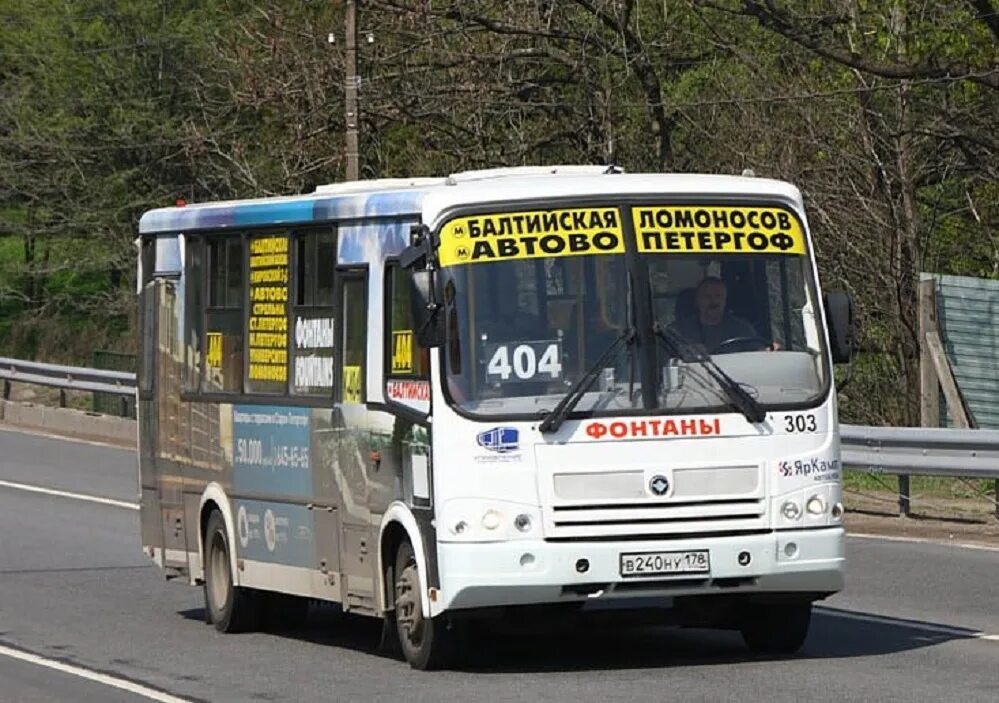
point(800, 423)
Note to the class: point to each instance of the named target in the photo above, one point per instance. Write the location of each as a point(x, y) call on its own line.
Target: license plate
point(665, 563)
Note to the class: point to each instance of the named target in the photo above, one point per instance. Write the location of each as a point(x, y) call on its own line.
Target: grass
point(933, 497)
point(927, 486)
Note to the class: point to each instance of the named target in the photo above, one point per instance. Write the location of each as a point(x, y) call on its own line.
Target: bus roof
point(729, 188)
point(428, 197)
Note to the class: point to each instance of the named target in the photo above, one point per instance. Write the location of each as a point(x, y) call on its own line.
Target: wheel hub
point(408, 613)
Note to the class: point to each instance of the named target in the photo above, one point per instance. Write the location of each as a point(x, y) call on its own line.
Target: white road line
point(113, 681)
point(69, 494)
point(924, 540)
point(956, 632)
point(63, 438)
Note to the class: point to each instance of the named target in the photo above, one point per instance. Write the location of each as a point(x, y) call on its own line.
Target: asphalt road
point(75, 589)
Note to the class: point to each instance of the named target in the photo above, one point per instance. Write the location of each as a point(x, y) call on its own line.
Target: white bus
point(434, 399)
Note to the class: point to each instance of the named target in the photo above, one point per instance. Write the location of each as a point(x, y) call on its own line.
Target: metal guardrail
point(921, 451)
point(65, 378)
point(918, 451)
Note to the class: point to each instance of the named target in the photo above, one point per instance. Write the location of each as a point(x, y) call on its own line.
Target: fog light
point(745, 558)
point(790, 510)
point(526, 559)
point(815, 505)
point(837, 511)
point(491, 520)
point(522, 522)
point(791, 550)
point(459, 527)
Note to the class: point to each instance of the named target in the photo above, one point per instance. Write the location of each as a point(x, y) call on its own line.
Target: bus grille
point(653, 519)
point(618, 504)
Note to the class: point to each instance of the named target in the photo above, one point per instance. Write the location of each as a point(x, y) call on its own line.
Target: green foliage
point(884, 114)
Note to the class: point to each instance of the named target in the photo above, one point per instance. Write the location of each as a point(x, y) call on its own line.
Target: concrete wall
point(69, 423)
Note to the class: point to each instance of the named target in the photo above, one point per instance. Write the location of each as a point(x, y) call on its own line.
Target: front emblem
point(500, 439)
point(659, 485)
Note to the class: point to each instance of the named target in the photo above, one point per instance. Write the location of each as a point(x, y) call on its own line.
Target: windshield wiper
point(555, 418)
point(736, 394)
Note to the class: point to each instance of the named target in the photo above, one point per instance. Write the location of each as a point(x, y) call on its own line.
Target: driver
point(713, 324)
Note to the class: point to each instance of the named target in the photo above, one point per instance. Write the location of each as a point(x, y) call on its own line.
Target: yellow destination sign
point(352, 384)
point(531, 235)
point(214, 356)
point(708, 229)
point(402, 351)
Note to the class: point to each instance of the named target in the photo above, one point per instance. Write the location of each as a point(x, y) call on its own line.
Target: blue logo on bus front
point(500, 439)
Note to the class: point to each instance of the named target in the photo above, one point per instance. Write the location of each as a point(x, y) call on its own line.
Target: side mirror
point(839, 321)
point(421, 252)
point(426, 310)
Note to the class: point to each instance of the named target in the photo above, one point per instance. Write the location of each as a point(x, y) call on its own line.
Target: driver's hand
point(774, 346)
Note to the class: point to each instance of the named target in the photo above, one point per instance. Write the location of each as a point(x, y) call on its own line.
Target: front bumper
point(475, 575)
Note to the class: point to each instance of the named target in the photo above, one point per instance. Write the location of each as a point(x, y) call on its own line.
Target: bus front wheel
point(777, 628)
point(426, 642)
point(229, 607)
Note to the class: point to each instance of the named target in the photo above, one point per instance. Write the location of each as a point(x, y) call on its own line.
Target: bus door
point(150, 513)
point(359, 555)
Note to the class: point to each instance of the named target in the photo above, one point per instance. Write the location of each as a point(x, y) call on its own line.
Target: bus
point(434, 400)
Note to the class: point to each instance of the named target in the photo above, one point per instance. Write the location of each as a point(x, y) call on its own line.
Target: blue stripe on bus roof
point(282, 211)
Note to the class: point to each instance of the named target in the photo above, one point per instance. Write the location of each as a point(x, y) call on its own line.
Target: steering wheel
point(747, 343)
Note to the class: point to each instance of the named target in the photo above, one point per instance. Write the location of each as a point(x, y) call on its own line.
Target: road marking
point(107, 680)
point(956, 632)
point(924, 540)
point(68, 494)
point(64, 438)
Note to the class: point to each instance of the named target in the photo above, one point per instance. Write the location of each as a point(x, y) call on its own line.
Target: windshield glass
point(532, 304)
point(523, 332)
point(756, 317)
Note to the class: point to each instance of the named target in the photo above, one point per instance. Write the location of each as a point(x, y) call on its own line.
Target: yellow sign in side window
point(214, 356)
point(352, 384)
point(402, 351)
point(268, 321)
point(713, 229)
point(531, 235)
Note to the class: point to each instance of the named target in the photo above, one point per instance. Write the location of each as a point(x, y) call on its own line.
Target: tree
point(913, 145)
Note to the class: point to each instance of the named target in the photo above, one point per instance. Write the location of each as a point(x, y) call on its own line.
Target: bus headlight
point(491, 519)
point(815, 505)
point(478, 520)
point(790, 510)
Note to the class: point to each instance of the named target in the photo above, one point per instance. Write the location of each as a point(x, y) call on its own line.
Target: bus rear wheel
point(427, 643)
point(778, 628)
point(229, 607)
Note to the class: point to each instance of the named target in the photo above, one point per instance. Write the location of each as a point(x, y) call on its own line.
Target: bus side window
point(194, 311)
point(223, 356)
point(312, 333)
point(404, 358)
point(354, 335)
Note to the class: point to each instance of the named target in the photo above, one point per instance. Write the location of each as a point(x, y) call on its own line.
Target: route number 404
point(524, 361)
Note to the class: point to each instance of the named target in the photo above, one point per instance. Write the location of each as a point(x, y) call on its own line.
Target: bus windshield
point(522, 331)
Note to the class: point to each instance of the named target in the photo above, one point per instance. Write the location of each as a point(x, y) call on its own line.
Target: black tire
point(775, 628)
point(229, 608)
point(426, 643)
